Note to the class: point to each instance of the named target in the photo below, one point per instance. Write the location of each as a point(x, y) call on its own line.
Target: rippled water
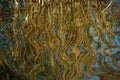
point(59, 40)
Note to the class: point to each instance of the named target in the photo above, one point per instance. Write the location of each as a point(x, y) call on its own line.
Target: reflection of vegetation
point(65, 39)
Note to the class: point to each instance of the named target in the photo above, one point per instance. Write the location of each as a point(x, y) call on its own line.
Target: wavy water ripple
point(59, 40)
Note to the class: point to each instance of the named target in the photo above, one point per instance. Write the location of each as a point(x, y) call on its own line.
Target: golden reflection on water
point(61, 40)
